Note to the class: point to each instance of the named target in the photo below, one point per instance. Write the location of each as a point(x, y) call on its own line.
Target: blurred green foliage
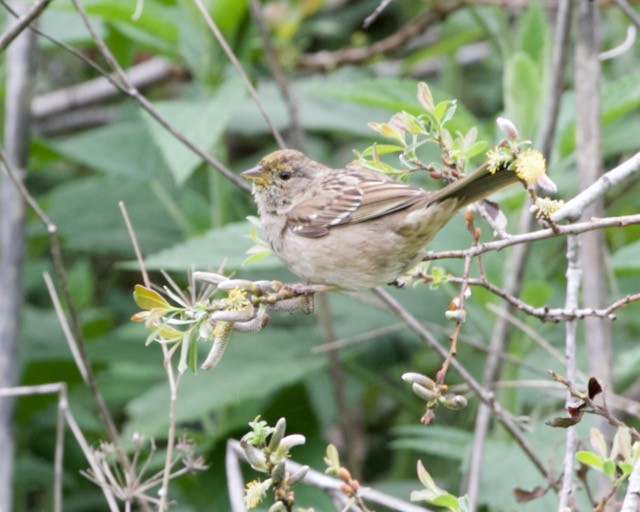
point(186, 216)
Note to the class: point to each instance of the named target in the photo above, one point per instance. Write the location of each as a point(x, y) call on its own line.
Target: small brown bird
point(354, 228)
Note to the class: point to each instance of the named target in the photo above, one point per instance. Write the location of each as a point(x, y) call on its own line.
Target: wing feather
point(350, 197)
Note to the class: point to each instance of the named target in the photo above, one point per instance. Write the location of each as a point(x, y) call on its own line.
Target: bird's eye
point(285, 175)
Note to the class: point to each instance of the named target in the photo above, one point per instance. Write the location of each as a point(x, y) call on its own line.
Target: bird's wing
point(350, 198)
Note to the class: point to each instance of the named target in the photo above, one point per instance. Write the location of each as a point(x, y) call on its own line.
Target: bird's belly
point(360, 257)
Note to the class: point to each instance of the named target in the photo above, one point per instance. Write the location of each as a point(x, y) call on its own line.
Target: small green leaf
point(626, 469)
point(445, 110)
point(476, 148)
point(449, 501)
point(148, 299)
point(332, 458)
point(609, 468)
point(589, 459)
point(381, 149)
point(187, 341)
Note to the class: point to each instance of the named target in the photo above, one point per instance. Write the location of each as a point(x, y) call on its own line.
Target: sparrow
point(354, 228)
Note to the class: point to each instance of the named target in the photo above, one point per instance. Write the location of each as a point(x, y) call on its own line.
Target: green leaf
point(448, 501)
point(227, 245)
point(153, 20)
point(609, 468)
point(148, 299)
point(253, 366)
point(626, 258)
point(88, 218)
point(589, 459)
point(447, 442)
point(445, 110)
point(382, 149)
point(619, 98)
point(203, 123)
point(123, 148)
point(533, 33)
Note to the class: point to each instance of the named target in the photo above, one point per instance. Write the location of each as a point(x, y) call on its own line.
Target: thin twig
point(60, 388)
point(174, 382)
point(629, 11)
point(623, 47)
point(544, 313)
point(234, 60)
point(22, 22)
point(100, 89)
point(374, 15)
point(100, 43)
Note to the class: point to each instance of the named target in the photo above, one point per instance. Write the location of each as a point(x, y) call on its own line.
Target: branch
point(329, 484)
point(628, 10)
point(100, 89)
point(542, 234)
point(574, 279)
point(544, 313)
point(574, 208)
point(19, 86)
point(631, 501)
point(353, 55)
point(374, 15)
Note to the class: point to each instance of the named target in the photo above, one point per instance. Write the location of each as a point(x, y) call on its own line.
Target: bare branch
point(631, 501)
point(374, 15)
point(19, 86)
point(574, 279)
point(329, 484)
point(629, 11)
point(534, 236)
point(100, 89)
point(544, 313)
point(575, 207)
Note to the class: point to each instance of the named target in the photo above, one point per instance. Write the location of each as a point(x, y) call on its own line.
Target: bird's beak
point(255, 175)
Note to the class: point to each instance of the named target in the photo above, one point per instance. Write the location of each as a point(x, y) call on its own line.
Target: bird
point(354, 228)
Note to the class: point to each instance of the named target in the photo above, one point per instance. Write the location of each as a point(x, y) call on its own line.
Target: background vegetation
point(93, 146)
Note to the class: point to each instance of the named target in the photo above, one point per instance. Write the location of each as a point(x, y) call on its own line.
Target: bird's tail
point(475, 186)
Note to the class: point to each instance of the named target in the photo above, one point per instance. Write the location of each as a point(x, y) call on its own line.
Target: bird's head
point(282, 178)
